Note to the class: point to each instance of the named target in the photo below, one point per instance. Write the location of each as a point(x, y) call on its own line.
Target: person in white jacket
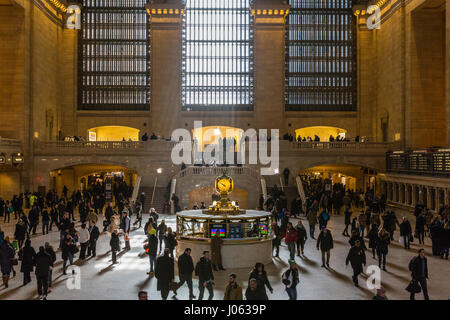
point(83, 238)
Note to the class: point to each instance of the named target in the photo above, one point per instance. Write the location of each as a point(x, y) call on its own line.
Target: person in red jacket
point(291, 239)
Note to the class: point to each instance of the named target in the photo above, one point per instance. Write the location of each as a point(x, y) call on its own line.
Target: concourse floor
point(100, 280)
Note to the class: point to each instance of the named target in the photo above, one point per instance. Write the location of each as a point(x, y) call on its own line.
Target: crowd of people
point(373, 225)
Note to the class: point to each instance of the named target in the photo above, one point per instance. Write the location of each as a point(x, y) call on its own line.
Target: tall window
point(320, 56)
point(113, 52)
point(217, 67)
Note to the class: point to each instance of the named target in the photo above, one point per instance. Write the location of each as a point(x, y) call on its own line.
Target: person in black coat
point(325, 243)
point(421, 221)
point(347, 221)
point(152, 249)
point(203, 270)
point(27, 266)
point(33, 217)
point(302, 236)
point(383, 241)
point(115, 245)
point(43, 264)
point(260, 275)
point(357, 259)
point(94, 233)
point(444, 240)
point(49, 250)
point(373, 238)
point(67, 251)
point(406, 232)
point(165, 273)
point(419, 273)
point(185, 269)
point(20, 232)
point(254, 292)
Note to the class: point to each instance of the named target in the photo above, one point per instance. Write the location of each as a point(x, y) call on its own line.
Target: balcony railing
point(216, 171)
point(432, 162)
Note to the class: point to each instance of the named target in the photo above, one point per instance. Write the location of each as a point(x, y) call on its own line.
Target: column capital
point(269, 12)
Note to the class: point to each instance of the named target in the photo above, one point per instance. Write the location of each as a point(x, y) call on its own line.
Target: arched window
point(217, 66)
point(320, 56)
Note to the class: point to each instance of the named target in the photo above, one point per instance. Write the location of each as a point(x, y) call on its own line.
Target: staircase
point(158, 200)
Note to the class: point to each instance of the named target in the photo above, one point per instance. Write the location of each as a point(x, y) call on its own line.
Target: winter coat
point(325, 241)
point(348, 216)
point(420, 223)
point(373, 237)
point(444, 238)
point(357, 258)
point(185, 264)
point(19, 234)
point(258, 294)
point(416, 267)
point(114, 242)
point(383, 242)
point(203, 270)
point(152, 245)
point(94, 233)
point(235, 292)
point(6, 254)
point(164, 271)
point(405, 228)
point(162, 229)
point(170, 241)
point(362, 220)
point(28, 255)
point(43, 263)
point(261, 280)
point(301, 233)
point(291, 236)
point(216, 250)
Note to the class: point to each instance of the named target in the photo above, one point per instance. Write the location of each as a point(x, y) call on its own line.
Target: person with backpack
point(203, 270)
point(290, 279)
point(151, 248)
point(419, 274)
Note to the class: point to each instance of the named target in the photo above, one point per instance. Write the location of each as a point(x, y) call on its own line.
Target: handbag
point(413, 287)
point(411, 238)
point(14, 261)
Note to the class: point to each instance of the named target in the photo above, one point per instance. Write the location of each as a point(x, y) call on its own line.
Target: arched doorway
point(323, 132)
point(214, 134)
point(113, 133)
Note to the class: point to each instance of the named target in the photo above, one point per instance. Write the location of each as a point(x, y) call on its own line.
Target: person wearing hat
point(325, 244)
point(290, 279)
point(151, 248)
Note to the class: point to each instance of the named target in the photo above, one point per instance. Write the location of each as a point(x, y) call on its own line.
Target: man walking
point(94, 233)
point(185, 269)
point(83, 238)
point(164, 272)
point(419, 273)
point(290, 279)
point(43, 263)
point(325, 244)
point(357, 258)
point(203, 270)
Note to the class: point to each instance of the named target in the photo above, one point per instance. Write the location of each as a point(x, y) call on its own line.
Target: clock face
point(223, 185)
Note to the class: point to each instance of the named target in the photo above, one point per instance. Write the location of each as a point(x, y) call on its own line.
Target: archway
point(323, 132)
point(113, 133)
point(111, 177)
point(213, 134)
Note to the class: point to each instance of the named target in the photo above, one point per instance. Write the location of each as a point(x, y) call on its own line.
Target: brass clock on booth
point(224, 184)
